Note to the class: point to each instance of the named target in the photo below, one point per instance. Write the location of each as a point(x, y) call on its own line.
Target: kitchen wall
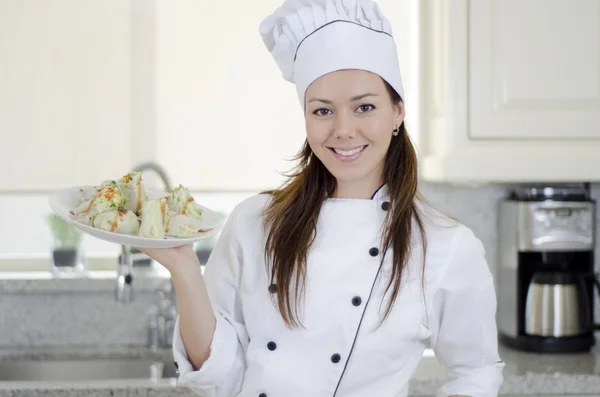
point(476, 207)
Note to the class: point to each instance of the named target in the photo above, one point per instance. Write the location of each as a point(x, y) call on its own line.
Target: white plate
point(65, 200)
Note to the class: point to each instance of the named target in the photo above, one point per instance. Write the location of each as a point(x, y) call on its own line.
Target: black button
point(356, 301)
point(271, 346)
point(385, 205)
point(262, 395)
point(335, 358)
point(374, 251)
point(176, 365)
point(273, 288)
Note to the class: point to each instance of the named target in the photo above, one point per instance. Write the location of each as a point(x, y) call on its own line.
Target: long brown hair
point(290, 219)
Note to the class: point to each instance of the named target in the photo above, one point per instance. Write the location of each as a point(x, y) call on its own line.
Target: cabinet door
point(64, 92)
point(534, 69)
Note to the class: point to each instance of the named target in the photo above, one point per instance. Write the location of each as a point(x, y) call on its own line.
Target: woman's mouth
point(348, 154)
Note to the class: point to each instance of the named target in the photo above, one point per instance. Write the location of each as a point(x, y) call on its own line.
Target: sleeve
point(465, 338)
point(223, 373)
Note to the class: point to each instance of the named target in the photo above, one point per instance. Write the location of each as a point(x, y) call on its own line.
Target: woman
point(334, 284)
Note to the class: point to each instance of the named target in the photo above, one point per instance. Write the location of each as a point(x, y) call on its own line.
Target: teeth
point(348, 152)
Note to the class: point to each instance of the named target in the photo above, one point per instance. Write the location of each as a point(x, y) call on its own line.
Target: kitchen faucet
point(124, 288)
point(158, 169)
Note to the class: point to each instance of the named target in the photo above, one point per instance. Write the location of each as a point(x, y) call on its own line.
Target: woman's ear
point(399, 113)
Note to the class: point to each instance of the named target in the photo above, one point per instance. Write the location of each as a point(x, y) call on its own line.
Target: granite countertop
point(524, 374)
point(91, 281)
point(85, 353)
point(527, 374)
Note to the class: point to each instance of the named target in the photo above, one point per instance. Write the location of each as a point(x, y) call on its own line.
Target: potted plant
point(66, 253)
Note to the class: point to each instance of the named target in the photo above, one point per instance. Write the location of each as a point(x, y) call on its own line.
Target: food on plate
point(182, 202)
point(154, 213)
point(131, 187)
point(135, 193)
point(123, 206)
point(108, 198)
point(117, 221)
point(181, 225)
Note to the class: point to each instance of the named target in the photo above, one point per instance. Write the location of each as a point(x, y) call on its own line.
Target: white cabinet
point(534, 69)
point(510, 90)
point(64, 92)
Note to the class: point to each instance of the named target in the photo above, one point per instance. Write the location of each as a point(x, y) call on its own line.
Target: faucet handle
point(124, 288)
point(169, 330)
point(153, 331)
point(166, 309)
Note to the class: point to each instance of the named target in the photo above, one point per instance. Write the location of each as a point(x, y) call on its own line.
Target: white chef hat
point(310, 38)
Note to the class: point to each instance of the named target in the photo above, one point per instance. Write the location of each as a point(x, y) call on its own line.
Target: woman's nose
point(343, 127)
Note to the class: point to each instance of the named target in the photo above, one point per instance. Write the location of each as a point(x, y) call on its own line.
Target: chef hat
point(310, 38)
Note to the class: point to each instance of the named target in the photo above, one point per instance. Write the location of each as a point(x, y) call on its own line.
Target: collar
point(381, 193)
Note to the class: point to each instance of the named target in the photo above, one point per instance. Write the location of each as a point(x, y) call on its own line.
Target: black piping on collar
point(377, 191)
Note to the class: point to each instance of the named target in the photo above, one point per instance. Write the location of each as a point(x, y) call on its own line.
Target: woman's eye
point(321, 112)
point(365, 108)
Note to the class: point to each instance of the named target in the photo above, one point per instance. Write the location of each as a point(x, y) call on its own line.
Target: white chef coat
point(339, 351)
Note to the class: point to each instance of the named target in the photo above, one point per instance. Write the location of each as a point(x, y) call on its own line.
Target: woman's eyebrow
point(359, 97)
point(353, 99)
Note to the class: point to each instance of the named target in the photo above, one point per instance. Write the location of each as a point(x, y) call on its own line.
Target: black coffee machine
point(546, 280)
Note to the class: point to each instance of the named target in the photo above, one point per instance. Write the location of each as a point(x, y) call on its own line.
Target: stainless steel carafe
point(554, 306)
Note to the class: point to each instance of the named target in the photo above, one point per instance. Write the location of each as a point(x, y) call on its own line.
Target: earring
point(396, 131)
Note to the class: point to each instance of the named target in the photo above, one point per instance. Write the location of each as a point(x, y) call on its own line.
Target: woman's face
point(349, 121)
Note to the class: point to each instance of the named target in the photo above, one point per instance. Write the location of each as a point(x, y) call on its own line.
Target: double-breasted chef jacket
point(340, 350)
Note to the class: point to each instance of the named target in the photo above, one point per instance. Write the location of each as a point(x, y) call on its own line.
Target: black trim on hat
point(329, 23)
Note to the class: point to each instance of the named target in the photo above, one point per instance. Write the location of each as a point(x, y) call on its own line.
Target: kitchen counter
point(85, 353)
point(527, 374)
point(524, 374)
point(145, 280)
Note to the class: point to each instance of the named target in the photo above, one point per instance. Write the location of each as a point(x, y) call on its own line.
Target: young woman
point(335, 283)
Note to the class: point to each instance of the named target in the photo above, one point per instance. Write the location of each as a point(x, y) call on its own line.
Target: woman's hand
point(174, 259)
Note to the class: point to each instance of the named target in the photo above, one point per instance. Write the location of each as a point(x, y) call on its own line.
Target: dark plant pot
point(65, 258)
point(203, 255)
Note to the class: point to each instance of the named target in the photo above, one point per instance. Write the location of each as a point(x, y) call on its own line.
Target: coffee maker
point(546, 276)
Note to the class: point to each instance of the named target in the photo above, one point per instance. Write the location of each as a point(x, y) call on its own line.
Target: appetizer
point(123, 206)
point(107, 198)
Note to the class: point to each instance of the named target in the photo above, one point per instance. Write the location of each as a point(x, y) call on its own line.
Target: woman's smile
point(348, 154)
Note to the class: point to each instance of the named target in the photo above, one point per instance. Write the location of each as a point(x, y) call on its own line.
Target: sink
point(76, 370)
